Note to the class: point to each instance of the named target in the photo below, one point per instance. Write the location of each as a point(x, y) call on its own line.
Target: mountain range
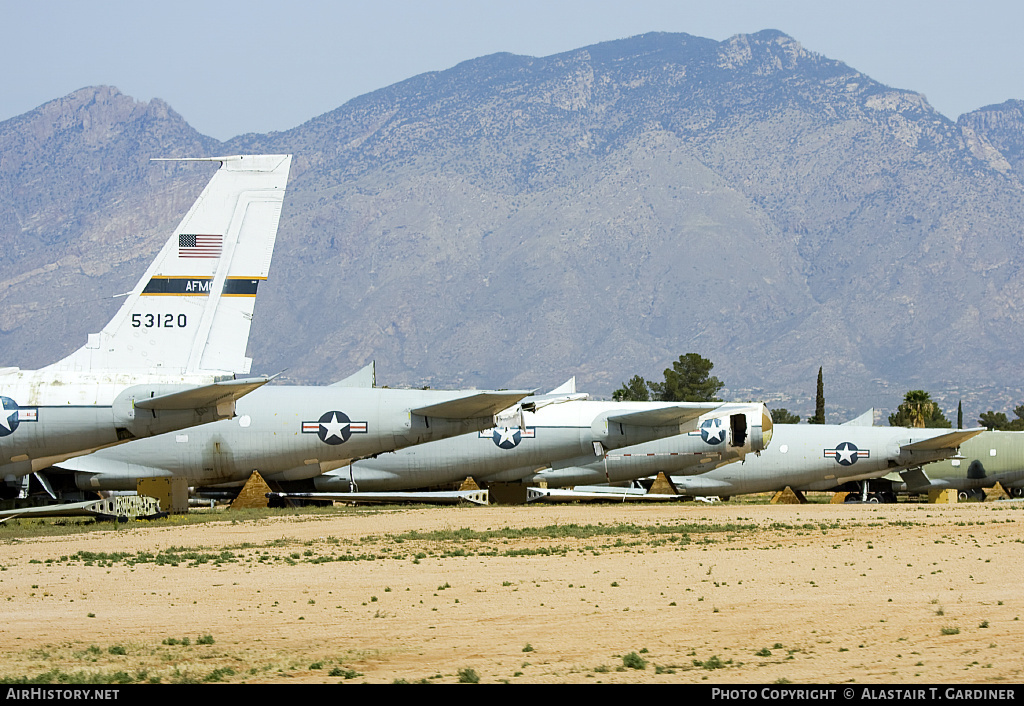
point(514, 221)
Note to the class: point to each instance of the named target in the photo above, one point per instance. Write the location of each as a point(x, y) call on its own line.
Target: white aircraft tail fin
point(365, 377)
point(865, 420)
point(566, 388)
point(192, 309)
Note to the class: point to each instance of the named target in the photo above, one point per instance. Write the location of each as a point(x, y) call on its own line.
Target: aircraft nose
point(766, 428)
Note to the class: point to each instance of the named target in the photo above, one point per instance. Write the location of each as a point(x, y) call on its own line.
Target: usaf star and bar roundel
point(334, 428)
point(507, 437)
point(11, 415)
point(712, 431)
point(847, 453)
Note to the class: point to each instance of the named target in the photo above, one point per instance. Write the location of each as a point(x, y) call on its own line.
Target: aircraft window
point(991, 452)
point(956, 462)
point(244, 421)
point(783, 449)
point(181, 438)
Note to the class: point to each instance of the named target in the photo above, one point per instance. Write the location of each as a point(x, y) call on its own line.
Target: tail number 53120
point(159, 321)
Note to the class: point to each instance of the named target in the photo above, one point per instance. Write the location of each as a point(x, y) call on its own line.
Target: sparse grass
point(468, 675)
point(713, 662)
point(634, 661)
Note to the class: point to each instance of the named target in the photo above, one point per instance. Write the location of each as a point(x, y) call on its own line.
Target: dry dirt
point(707, 594)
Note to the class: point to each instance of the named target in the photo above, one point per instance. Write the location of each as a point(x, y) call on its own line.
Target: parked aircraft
point(849, 457)
point(561, 429)
point(698, 451)
point(168, 358)
point(289, 433)
point(990, 457)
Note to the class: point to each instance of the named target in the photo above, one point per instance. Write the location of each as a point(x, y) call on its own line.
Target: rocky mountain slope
point(514, 221)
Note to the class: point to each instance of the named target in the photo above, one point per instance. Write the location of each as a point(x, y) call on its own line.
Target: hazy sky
point(232, 66)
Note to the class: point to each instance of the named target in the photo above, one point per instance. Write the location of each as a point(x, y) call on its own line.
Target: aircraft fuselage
point(814, 457)
point(284, 432)
point(509, 453)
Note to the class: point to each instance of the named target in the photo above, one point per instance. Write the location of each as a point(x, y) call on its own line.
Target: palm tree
point(919, 407)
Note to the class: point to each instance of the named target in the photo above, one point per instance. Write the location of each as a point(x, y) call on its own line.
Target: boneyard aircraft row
point(187, 323)
point(188, 320)
point(300, 433)
point(289, 433)
point(565, 429)
point(165, 365)
point(871, 463)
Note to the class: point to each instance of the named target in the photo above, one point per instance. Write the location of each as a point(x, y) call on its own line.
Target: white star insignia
point(507, 435)
point(715, 432)
point(6, 417)
point(846, 454)
point(334, 427)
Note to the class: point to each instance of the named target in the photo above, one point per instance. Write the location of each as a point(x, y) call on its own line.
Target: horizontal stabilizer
point(212, 395)
point(947, 441)
point(483, 404)
point(676, 414)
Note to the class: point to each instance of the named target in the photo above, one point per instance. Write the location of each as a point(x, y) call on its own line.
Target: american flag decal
point(191, 245)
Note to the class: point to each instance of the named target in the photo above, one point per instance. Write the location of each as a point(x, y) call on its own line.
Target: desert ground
point(679, 593)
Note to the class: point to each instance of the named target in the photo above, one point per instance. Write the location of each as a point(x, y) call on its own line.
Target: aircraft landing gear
point(866, 495)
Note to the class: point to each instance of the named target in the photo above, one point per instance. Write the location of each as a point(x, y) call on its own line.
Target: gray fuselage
point(285, 433)
point(553, 434)
point(812, 457)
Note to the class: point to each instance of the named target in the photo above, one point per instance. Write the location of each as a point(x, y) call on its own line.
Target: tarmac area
point(730, 593)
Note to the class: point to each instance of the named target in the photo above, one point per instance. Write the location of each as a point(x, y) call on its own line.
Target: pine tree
point(633, 391)
point(688, 380)
point(819, 404)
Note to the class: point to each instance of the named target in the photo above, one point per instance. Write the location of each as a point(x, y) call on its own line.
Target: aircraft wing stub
point(664, 416)
point(204, 395)
point(947, 441)
point(484, 404)
point(915, 478)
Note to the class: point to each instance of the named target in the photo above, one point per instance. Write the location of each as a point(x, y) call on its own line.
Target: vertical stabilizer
point(365, 377)
point(566, 388)
point(193, 308)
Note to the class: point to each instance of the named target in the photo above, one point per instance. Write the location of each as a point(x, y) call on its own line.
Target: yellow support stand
point(789, 497)
point(171, 493)
point(942, 497)
point(253, 493)
point(663, 486)
point(996, 492)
